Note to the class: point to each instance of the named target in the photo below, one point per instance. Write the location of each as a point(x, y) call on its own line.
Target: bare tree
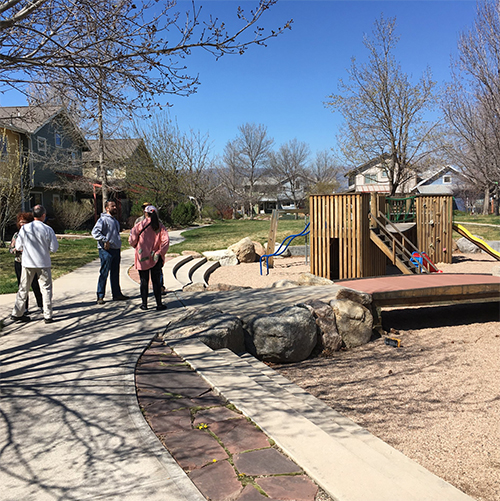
point(14, 181)
point(121, 55)
point(39, 39)
point(159, 180)
point(289, 168)
point(246, 159)
point(324, 175)
point(196, 164)
point(383, 110)
point(472, 104)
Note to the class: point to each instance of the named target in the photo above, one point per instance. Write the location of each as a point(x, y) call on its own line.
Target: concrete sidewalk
point(71, 428)
point(70, 425)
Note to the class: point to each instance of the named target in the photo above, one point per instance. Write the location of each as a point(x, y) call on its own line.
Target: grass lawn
point(222, 234)
point(71, 255)
point(484, 232)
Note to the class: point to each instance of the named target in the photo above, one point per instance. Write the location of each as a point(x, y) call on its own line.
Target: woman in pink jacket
point(150, 241)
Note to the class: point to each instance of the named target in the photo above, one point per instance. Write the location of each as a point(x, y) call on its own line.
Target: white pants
point(45, 282)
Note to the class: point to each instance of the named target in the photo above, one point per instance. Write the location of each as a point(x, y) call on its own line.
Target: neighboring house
point(51, 144)
point(372, 178)
point(273, 194)
point(120, 155)
point(445, 181)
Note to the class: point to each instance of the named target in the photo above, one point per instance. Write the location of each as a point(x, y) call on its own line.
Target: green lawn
point(222, 234)
point(484, 232)
point(71, 255)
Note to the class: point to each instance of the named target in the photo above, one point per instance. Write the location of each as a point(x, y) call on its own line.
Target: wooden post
point(271, 241)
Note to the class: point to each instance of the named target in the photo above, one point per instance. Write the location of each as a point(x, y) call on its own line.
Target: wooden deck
point(426, 290)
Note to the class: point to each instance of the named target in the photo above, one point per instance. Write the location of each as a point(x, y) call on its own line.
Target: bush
point(184, 213)
point(73, 215)
point(210, 212)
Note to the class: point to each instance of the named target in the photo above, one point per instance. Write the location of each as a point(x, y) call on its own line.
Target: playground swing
point(280, 250)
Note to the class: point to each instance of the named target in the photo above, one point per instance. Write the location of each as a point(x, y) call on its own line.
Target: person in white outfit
point(37, 241)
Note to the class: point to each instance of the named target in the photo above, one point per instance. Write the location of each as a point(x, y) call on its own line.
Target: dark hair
point(24, 216)
point(107, 202)
point(155, 222)
point(39, 211)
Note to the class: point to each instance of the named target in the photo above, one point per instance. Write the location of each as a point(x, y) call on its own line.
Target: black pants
point(34, 285)
point(155, 279)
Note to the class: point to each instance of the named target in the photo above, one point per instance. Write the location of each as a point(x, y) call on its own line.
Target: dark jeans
point(155, 279)
point(110, 265)
point(34, 285)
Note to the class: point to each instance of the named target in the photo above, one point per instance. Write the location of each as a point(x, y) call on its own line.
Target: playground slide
point(475, 240)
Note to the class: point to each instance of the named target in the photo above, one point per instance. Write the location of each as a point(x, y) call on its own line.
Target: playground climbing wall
point(434, 218)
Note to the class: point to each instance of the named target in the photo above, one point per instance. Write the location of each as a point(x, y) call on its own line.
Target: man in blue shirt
point(107, 233)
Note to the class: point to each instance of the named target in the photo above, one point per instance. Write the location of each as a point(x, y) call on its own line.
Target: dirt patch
point(436, 399)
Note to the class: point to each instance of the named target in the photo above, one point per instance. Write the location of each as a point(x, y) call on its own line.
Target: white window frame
point(56, 198)
point(41, 144)
point(447, 179)
point(58, 135)
point(370, 178)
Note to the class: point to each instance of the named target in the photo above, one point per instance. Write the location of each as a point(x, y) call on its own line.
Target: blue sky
point(285, 84)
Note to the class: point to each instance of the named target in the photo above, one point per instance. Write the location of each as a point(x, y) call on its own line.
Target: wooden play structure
point(354, 235)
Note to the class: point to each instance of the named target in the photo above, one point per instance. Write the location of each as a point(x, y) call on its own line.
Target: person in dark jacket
point(107, 233)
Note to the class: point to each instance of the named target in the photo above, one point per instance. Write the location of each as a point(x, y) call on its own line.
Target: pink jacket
point(149, 245)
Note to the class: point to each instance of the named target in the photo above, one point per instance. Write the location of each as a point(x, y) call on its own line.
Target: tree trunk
point(486, 203)
point(100, 147)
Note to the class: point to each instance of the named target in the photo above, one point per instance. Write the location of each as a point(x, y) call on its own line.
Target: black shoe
point(161, 307)
point(143, 307)
point(48, 320)
point(120, 298)
point(163, 291)
point(100, 300)
point(22, 318)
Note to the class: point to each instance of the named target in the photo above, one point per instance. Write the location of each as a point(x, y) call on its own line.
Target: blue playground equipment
point(280, 250)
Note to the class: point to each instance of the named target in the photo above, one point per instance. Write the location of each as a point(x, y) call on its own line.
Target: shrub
point(184, 213)
point(210, 212)
point(73, 215)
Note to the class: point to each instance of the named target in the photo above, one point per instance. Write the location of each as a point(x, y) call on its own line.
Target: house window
point(58, 139)
point(41, 145)
point(56, 199)
point(370, 178)
point(110, 172)
point(383, 174)
point(446, 179)
point(36, 198)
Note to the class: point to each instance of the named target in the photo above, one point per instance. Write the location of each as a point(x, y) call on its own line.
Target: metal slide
point(476, 240)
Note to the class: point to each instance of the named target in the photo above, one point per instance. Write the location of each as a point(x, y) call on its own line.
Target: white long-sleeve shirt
point(37, 241)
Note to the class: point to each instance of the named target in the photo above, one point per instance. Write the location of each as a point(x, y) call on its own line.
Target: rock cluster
point(287, 335)
point(244, 251)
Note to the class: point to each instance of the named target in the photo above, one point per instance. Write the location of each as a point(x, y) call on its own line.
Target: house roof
point(371, 163)
point(433, 175)
point(114, 149)
point(30, 119)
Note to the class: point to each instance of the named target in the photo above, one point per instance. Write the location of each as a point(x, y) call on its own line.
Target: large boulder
point(225, 257)
point(244, 250)
point(212, 327)
point(259, 250)
point(358, 297)
point(310, 279)
point(354, 322)
point(288, 335)
point(329, 339)
point(285, 284)
point(466, 246)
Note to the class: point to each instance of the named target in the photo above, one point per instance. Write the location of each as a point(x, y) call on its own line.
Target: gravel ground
point(436, 399)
